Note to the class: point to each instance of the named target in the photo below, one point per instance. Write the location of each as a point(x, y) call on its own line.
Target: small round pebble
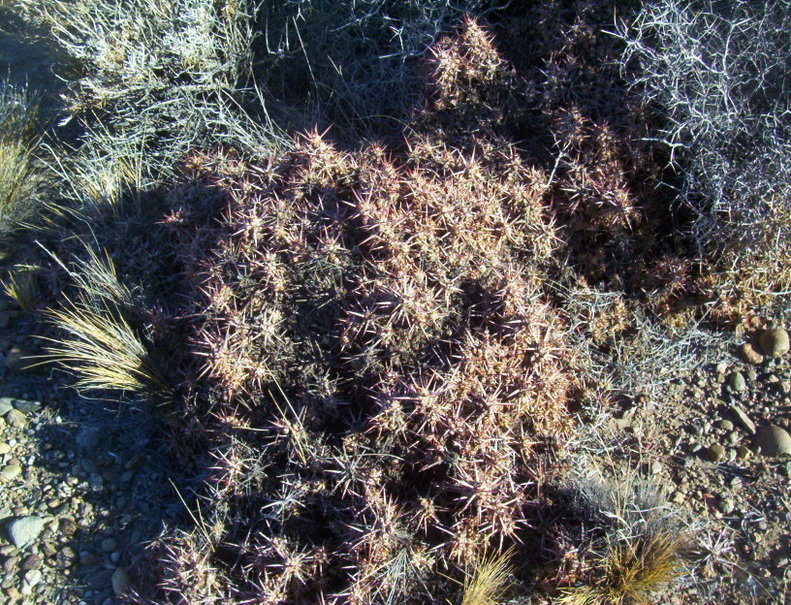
point(774, 343)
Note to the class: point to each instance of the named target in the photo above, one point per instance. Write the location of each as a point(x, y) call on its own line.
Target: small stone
point(725, 506)
point(656, 467)
point(48, 550)
point(750, 355)
point(772, 440)
point(751, 374)
point(26, 406)
point(743, 419)
point(87, 559)
point(120, 581)
point(10, 472)
point(30, 562)
point(733, 438)
point(25, 530)
point(722, 367)
point(32, 578)
point(109, 545)
point(67, 527)
point(4, 448)
point(17, 359)
point(725, 425)
point(6, 405)
point(16, 419)
point(774, 343)
point(737, 382)
point(715, 452)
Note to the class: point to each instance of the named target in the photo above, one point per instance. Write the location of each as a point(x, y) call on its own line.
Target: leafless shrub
point(717, 72)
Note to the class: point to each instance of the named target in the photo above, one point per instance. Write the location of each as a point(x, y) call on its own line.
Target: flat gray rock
point(6, 405)
point(24, 531)
point(27, 407)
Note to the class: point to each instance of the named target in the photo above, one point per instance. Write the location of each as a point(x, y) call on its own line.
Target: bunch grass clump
point(486, 580)
point(631, 547)
point(164, 76)
point(23, 178)
point(98, 343)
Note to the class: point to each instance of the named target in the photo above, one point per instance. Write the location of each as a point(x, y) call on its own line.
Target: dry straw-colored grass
point(23, 179)
point(631, 573)
point(486, 580)
point(98, 343)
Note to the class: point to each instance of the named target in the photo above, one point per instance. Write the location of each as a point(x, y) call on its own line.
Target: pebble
point(715, 452)
point(25, 530)
point(742, 418)
point(32, 578)
point(772, 440)
point(30, 562)
point(6, 405)
point(109, 545)
point(737, 382)
point(120, 581)
point(774, 343)
point(10, 472)
point(750, 355)
point(725, 424)
point(725, 505)
point(16, 419)
point(27, 406)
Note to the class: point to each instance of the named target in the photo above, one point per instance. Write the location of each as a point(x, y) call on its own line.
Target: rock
point(120, 581)
point(88, 438)
point(10, 472)
point(17, 359)
point(16, 419)
point(773, 343)
point(25, 530)
point(6, 405)
point(722, 367)
point(725, 505)
point(67, 527)
point(725, 424)
point(737, 382)
point(742, 419)
point(751, 374)
point(30, 562)
point(715, 452)
point(27, 407)
point(772, 440)
point(109, 545)
point(32, 578)
point(750, 355)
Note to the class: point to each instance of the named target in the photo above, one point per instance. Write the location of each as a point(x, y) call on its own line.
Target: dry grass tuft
point(22, 178)
point(22, 287)
point(631, 573)
point(486, 580)
point(100, 346)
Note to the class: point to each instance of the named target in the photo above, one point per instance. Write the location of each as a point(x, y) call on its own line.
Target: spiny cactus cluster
point(378, 329)
point(386, 371)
